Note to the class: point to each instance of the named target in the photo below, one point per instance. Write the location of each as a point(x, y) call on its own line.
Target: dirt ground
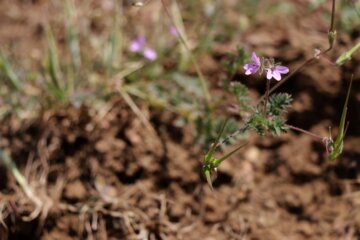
point(106, 176)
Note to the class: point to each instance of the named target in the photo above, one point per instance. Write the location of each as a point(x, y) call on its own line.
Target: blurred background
point(107, 109)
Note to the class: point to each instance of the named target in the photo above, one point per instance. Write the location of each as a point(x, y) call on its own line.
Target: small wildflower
point(254, 66)
point(275, 72)
point(138, 46)
point(150, 54)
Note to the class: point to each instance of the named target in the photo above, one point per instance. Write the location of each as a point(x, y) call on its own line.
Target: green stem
point(219, 161)
point(332, 16)
point(196, 65)
point(209, 155)
point(266, 95)
point(239, 131)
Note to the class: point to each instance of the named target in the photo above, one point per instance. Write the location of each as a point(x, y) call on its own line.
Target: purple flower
point(254, 66)
point(150, 54)
point(275, 72)
point(138, 46)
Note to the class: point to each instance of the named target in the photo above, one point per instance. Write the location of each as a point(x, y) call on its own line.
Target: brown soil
point(103, 175)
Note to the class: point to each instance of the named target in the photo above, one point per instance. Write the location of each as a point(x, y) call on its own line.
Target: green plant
point(267, 116)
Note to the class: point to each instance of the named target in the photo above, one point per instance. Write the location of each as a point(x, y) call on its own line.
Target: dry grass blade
point(2, 217)
point(9, 163)
point(137, 111)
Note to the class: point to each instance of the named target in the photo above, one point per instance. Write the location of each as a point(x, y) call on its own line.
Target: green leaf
point(209, 156)
point(72, 34)
point(278, 104)
point(217, 162)
point(6, 68)
point(188, 83)
point(53, 66)
point(338, 145)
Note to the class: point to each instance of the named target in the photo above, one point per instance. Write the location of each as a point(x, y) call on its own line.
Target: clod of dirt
point(75, 191)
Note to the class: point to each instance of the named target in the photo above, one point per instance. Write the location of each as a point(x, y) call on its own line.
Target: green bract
point(347, 55)
point(211, 163)
point(337, 146)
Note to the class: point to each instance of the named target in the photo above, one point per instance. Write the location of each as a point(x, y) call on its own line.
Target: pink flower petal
point(255, 59)
point(137, 44)
point(282, 69)
point(247, 69)
point(276, 75)
point(269, 74)
point(134, 47)
point(150, 54)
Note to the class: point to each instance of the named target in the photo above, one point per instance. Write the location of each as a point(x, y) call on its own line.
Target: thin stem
point(196, 65)
point(217, 162)
point(136, 110)
point(305, 131)
point(266, 95)
point(332, 16)
point(239, 131)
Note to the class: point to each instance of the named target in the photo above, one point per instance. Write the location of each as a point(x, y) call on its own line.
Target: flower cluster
point(272, 69)
point(138, 45)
